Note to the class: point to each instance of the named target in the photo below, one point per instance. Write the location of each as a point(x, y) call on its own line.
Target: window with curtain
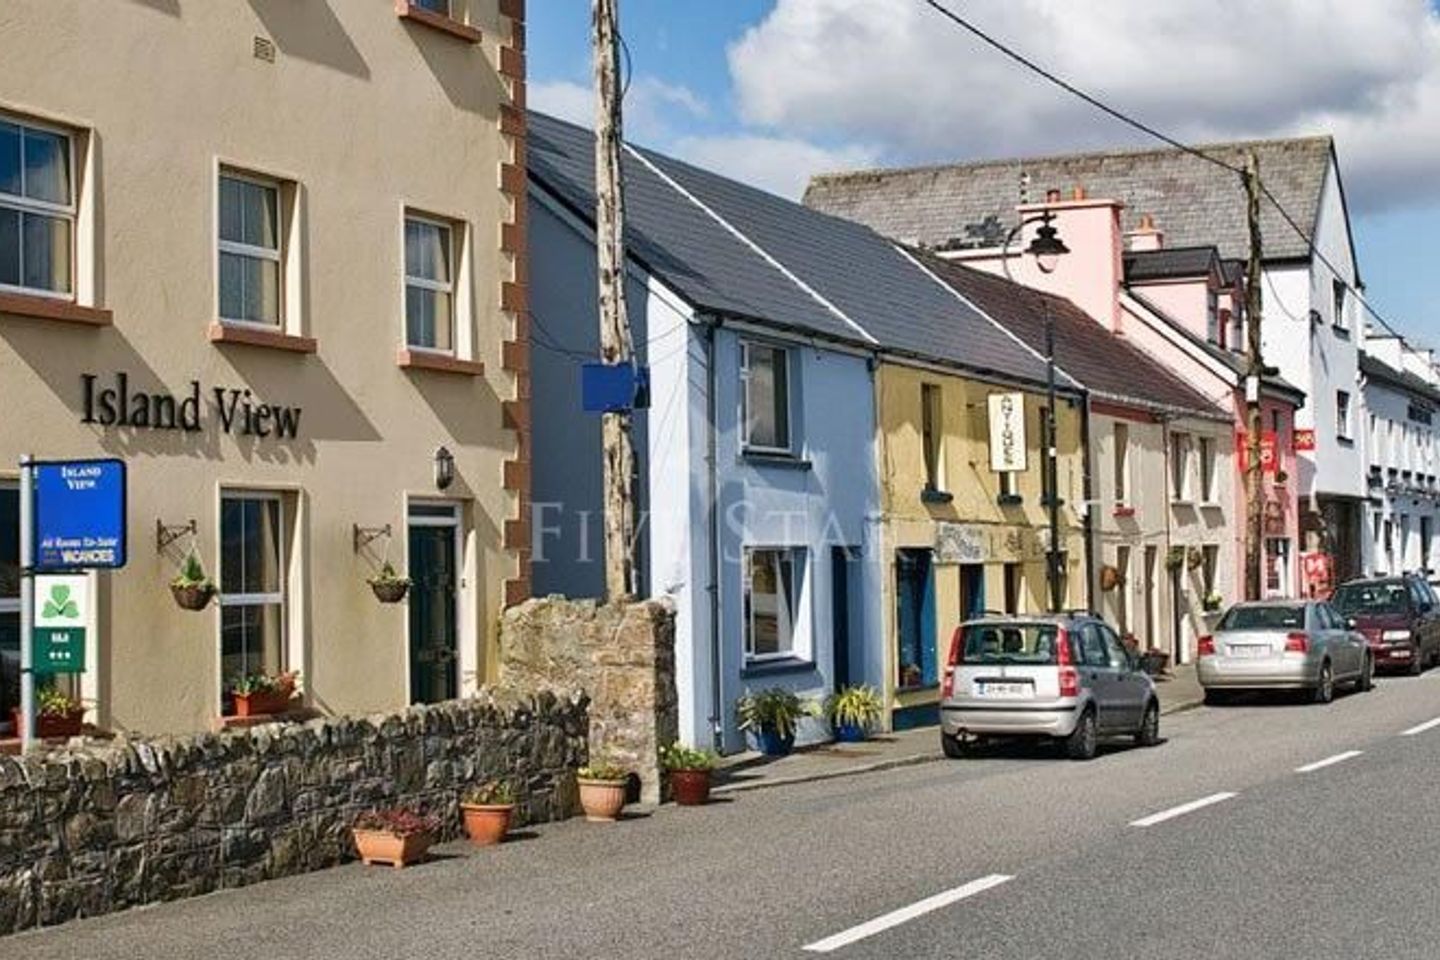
point(252, 586)
point(429, 284)
point(1122, 464)
point(1207, 469)
point(772, 580)
point(932, 435)
point(1180, 447)
point(765, 397)
point(37, 210)
point(249, 245)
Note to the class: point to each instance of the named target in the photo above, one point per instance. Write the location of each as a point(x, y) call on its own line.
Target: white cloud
point(561, 98)
point(779, 164)
point(1199, 69)
point(653, 108)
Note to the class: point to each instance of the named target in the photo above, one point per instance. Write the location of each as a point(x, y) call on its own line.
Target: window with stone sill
point(772, 580)
point(37, 210)
point(252, 587)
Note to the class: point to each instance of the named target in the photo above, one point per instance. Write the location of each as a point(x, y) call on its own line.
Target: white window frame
point(1344, 415)
point(235, 248)
point(1208, 478)
point(1121, 460)
point(1184, 445)
point(267, 598)
point(69, 212)
point(787, 353)
point(796, 558)
point(425, 283)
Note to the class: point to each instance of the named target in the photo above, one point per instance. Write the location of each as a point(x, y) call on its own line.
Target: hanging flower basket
point(389, 586)
point(1174, 558)
point(1110, 577)
point(192, 596)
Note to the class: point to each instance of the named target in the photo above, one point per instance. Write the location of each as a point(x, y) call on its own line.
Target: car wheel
point(1215, 698)
point(1325, 686)
point(1366, 683)
point(1084, 739)
point(1149, 733)
point(955, 748)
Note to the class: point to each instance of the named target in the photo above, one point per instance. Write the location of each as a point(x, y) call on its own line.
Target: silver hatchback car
point(1064, 677)
point(1283, 645)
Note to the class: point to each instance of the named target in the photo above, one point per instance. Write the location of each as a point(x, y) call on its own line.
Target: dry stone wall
point(93, 829)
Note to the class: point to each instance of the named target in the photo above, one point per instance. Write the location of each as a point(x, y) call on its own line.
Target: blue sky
point(771, 91)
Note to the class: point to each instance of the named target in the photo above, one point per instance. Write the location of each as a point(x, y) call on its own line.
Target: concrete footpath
point(1178, 689)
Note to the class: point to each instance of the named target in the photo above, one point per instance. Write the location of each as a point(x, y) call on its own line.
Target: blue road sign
point(79, 515)
point(614, 387)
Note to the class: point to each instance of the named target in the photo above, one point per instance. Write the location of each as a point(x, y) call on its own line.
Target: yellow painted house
point(958, 538)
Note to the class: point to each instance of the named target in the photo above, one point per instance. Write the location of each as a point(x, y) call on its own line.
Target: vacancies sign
point(236, 411)
point(79, 515)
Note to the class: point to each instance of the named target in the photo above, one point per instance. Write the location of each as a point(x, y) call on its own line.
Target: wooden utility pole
point(1255, 368)
point(615, 345)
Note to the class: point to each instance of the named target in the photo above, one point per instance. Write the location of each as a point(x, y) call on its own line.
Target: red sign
point(1317, 570)
point(1304, 440)
point(1269, 460)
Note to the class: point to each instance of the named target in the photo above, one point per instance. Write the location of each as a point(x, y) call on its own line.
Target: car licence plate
point(1000, 688)
point(1249, 649)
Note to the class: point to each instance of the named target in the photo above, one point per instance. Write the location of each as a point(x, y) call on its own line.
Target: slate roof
point(1170, 263)
point(1194, 202)
point(890, 303)
point(1109, 366)
point(1376, 369)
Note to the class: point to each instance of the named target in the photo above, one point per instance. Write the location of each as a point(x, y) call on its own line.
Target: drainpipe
point(1177, 613)
point(712, 587)
point(1088, 495)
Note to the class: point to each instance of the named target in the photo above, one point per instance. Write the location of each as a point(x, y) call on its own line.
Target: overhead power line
point(1160, 135)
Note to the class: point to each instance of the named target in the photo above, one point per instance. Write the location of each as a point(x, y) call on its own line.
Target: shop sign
point(1007, 432)
point(1318, 572)
point(79, 515)
point(236, 410)
point(62, 606)
point(1269, 460)
point(1304, 440)
point(960, 543)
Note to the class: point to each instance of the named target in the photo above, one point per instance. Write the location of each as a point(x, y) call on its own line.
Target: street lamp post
point(1046, 248)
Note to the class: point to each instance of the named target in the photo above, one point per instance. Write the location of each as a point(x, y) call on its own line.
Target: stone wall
point(93, 829)
point(621, 654)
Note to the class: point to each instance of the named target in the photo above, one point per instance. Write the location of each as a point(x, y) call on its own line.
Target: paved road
point(1338, 861)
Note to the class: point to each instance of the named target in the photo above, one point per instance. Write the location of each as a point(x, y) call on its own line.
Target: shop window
point(252, 586)
point(37, 210)
point(765, 397)
point(252, 262)
point(932, 435)
point(772, 598)
point(430, 269)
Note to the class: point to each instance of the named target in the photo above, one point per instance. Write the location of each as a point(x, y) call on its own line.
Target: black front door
point(433, 652)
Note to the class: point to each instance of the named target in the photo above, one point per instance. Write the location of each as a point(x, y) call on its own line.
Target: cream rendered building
point(267, 252)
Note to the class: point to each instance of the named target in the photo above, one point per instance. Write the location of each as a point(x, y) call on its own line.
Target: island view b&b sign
point(236, 410)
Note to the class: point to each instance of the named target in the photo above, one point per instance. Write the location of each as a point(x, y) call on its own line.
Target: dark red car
point(1398, 617)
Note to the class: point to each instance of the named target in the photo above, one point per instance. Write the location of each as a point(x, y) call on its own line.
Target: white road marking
point(1181, 810)
point(896, 917)
point(1328, 761)
point(1421, 727)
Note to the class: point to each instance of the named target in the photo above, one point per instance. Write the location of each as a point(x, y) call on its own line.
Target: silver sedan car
point(1283, 645)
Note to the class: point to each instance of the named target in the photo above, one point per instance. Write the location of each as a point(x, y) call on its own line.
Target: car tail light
point(957, 656)
point(1205, 647)
point(1069, 676)
point(1297, 643)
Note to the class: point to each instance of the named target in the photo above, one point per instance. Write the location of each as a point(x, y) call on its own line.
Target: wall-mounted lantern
point(444, 468)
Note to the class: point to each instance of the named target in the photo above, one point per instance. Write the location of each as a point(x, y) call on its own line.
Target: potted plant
point(853, 711)
point(689, 772)
point(57, 715)
point(393, 835)
point(1213, 602)
point(771, 715)
point(602, 790)
point(258, 695)
point(191, 589)
point(389, 586)
point(487, 811)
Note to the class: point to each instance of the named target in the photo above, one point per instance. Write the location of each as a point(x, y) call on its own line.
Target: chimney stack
point(1146, 236)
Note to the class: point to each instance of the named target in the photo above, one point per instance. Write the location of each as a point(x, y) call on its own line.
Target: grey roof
point(1170, 263)
point(896, 305)
point(1194, 202)
point(1376, 369)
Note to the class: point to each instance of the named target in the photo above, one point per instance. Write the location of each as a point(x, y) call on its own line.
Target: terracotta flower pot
point(390, 591)
point(195, 596)
point(377, 846)
point(50, 726)
point(487, 823)
point(262, 703)
point(602, 800)
point(691, 788)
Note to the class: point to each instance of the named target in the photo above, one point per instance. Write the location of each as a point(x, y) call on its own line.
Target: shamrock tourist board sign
point(61, 612)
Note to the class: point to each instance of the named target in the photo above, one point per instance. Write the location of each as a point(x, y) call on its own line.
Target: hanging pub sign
point(1007, 432)
point(1304, 440)
point(79, 515)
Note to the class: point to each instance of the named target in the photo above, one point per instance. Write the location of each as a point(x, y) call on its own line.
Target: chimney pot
point(1147, 221)
point(1052, 196)
point(1078, 193)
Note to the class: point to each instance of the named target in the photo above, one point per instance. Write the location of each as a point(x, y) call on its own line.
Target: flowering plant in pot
point(853, 712)
point(389, 586)
point(259, 694)
point(603, 786)
point(1213, 601)
point(689, 770)
point(772, 715)
point(393, 835)
point(57, 715)
point(487, 811)
point(191, 589)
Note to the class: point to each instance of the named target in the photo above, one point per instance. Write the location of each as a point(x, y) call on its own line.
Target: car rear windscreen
point(1380, 599)
point(1010, 643)
point(1265, 618)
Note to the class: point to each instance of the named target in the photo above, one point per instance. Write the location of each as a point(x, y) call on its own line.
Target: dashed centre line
point(1329, 761)
point(896, 917)
point(1181, 810)
point(1421, 727)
